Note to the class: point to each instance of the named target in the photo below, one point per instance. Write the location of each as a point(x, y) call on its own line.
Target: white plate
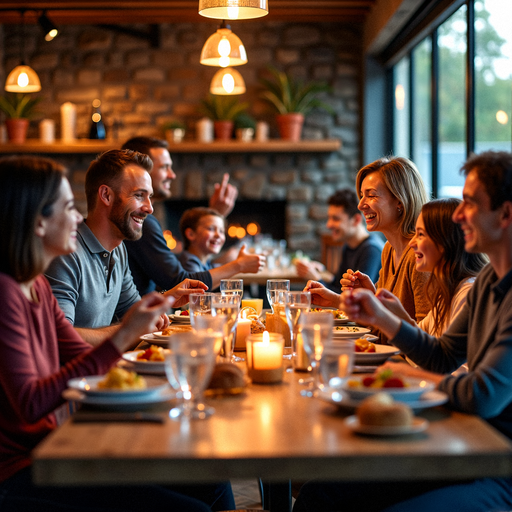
point(120, 403)
point(381, 354)
point(141, 365)
point(89, 387)
point(341, 399)
point(349, 331)
point(418, 425)
point(177, 318)
point(415, 388)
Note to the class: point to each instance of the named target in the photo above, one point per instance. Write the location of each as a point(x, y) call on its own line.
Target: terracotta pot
point(290, 126)
point(223, 129)
point(17, 130)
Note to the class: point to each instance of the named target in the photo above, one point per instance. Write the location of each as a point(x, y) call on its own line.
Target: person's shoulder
point(375, 240)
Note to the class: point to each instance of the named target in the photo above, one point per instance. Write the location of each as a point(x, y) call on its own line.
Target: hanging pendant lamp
point(233, 9)
point(223, 49)
point(22, 78)
point(227, 81)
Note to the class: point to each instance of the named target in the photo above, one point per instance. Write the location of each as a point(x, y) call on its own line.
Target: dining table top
point(272, 432)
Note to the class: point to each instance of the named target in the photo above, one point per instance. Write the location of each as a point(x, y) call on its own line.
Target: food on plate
point(363, 345)
point(119, 378)
point(153, 353)
point(183, 312)
point(226, 376)
point(344, 328)
point(173, 329)
point(382, 379)
point(381, 410)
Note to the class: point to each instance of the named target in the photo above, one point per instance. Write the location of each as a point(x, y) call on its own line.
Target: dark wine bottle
point(97, 130)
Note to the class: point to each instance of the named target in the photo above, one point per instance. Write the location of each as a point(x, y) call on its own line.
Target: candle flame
point(266, 338)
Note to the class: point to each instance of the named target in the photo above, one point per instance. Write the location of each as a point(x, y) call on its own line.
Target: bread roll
point(226, 376)
point(381, 410)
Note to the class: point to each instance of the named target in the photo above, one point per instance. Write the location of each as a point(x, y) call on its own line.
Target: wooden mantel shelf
point(94, 146)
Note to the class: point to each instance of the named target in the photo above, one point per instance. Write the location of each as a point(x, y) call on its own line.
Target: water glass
point(200, 304)
point(232, 287)
point(337, 363)
point(316, 331)
point(295, 304)
point(228, 305)
point(189, 363)
point(275, 291)
point(210, 325)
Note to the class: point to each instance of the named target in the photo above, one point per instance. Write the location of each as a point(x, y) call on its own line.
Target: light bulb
point(224, 47)
point(224, 62)
point(23, 80)
point(228, 82)
point(233, 12)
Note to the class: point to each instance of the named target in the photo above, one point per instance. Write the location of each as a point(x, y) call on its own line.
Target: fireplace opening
point(248, 218)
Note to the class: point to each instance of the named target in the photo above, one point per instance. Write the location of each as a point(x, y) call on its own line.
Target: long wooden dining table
point(272, 432)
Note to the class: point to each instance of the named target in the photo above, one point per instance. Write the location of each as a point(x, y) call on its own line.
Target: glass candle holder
point(264, 357)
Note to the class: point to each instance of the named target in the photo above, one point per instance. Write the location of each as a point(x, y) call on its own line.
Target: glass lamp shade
point(22, 79)
point(227, 81)
point(223, 49)
point(233, 9)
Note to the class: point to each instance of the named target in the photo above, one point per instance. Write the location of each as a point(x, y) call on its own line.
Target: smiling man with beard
point(94, 285)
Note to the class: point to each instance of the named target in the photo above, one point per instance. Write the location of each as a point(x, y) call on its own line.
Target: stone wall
point(141, 87)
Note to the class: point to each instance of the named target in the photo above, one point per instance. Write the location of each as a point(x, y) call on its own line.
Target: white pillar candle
point(47, 131)
point(204, 129)
point(261, 131)
point(243, 329)
point(68, 121)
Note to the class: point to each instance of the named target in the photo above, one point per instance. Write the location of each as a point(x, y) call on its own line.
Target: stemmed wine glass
point(228, 305)
point(275, 289)
point(295, 304)
point(200, 304)
point(189, 363)
point(232, 287)
point(210, 325)
point(316, 330)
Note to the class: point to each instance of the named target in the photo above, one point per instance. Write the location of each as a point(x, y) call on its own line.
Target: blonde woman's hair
point(404, 181)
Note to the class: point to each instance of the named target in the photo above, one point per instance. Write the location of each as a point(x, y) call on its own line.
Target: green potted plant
point(293, 100)
point(18, 109)
point(174, 131)
point(245, 126)
point(223, 110)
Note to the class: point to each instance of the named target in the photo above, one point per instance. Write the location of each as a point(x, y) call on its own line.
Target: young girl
point(40, 350)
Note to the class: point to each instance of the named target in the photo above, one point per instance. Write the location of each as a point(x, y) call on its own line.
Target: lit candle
point(256, 304)
point(243, 329)
point(265, 357)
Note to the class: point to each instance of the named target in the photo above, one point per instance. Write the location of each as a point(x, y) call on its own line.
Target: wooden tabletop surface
point(270, 431)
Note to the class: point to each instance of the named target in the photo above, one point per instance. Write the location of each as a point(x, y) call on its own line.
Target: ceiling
point(175, 11)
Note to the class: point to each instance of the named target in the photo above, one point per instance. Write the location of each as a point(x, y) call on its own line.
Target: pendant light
point(223, 49)
point(22, 78)
point(233, 9)
point(227, 81)
point(49, 28)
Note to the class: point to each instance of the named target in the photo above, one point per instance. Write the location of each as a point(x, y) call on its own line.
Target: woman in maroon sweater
point(40, 351)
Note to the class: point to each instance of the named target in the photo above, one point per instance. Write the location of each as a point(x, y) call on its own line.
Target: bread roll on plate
point(381, 410)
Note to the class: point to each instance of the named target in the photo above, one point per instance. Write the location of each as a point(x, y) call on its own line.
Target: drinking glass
point(228, 305)
point(200, 304)
point(275, 290)
point(210, 325)
point(232, 287)
point(337, 362)
point(295, 304)
point(316, 330)
point(189, 363)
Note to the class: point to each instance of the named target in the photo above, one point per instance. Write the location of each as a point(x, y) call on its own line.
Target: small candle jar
point(265, 357)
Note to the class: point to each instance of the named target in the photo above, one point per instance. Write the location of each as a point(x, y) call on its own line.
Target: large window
point(447, 104)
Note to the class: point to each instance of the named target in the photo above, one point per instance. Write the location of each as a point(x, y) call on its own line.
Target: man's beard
point(122, 220)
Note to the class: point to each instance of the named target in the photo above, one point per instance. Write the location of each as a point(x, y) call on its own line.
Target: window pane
point(493, 75)
point(401, 108)
point(452, 104)
point(422, 108)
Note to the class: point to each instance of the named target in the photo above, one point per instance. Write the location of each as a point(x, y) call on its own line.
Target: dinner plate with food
point(371, 353)
point(182, 317)
point(118, 383)
point(349, 331)
point(340, 318)
point(162, 337)
point(405, 389)
point(150, 361)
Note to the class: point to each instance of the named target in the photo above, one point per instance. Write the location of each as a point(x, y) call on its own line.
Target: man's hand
point(353, 279)
point(309, 270)
point(250, 263)
point(322, 296)
point(224, 196)
point(182, 291)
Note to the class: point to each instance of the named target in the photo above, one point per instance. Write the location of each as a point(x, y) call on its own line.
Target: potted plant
point(18, 108)
point(245, 126)
point(293, 100)
point(174, 131)
point(223, 110)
